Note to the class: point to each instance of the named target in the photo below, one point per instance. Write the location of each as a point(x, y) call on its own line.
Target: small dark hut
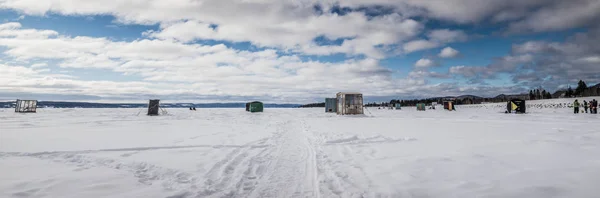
point(449, 105)
point(516, 105)
point(255, 106)
point(153, 107)
point(421, 107)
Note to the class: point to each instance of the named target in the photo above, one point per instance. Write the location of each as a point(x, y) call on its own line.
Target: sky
point(297, 51)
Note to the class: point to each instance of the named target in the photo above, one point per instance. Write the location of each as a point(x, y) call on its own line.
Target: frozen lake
point(472, 152)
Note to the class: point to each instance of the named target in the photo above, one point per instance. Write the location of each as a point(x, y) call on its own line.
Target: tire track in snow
point(146, 173)
point(218, 182)
point(135, 149)
point(226, 176)
point(346, 178)
point(292, 171)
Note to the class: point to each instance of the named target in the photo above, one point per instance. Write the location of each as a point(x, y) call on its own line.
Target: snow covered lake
point(476, 151)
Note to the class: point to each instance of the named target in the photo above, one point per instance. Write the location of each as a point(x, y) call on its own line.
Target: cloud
point(447, 35)
point(364, 33)
point(169, 68)
point(418, 45)
point(285, 31)
point(521, 15)
point(560, 15)
point(548, 64)
point(421, 74)
point(192, 72)
point(425, 63)
point(478, 74)
point(449, 52)
point(437, 38)
point(39, 65)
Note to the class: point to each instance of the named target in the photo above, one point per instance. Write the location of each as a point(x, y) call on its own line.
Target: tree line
point(534, 94)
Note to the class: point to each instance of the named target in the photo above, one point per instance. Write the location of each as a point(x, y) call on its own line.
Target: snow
point(476, 151)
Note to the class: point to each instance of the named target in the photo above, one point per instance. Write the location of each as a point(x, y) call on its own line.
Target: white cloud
point(363, 34)
point(449, 52)
point(39, 65)
point(437, 38)
point(523, 15)
point(170, 68)
point(447, 35)
point(421, 74)
point(559, 15)
point(418, 45)
point(190, 72)
point(590, 59)
point(425, 63)
point(169, 56)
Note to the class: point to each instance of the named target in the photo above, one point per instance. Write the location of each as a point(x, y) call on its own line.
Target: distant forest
point(582, 90)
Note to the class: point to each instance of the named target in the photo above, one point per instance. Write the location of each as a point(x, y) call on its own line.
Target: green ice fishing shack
point(255, 106)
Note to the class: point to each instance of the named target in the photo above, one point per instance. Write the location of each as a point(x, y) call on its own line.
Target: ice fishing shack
point(26, 106)
point(330, 105)
point(255, 106)
point(516, 105)
point(349, 103)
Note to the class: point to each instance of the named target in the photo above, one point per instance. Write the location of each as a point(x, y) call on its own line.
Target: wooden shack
point(349, 103)
point(330, 105)
point(153, 107)
point(26, 106)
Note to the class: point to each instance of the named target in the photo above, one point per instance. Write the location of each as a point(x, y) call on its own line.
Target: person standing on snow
point(576, 106)
point(595, 106)
point(585, 106)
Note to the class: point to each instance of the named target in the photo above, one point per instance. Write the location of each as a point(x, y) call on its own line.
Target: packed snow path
point(473, 152)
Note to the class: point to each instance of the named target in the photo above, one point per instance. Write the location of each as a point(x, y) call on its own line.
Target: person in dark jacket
point(585, 106)
point(595, 106)
point(576, 106)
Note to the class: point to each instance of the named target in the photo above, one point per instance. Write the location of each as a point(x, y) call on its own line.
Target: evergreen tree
point(531, 96)
point(581, 87)
point(537, 94)
point(569, 92)
point(543, 94)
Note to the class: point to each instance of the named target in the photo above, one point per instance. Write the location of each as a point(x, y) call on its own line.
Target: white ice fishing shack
point(349, 103)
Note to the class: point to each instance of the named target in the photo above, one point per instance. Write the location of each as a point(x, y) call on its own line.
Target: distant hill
point(53, 104)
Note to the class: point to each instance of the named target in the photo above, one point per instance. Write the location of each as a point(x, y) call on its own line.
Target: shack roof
point(350, 93)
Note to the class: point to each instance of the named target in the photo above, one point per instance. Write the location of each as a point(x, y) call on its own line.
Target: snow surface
point(476, 151)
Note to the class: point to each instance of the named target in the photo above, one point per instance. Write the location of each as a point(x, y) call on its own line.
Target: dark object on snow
point(449, 105)
point(398, 106)
point(594, 108)
point(194, 108)
point(26, 106)
point(330, 105)
point(516, 105)
point(255, 106)
point(421, 107)
point(153, 107)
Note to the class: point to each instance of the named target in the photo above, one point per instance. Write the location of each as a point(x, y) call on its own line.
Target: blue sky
point(293, 52)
